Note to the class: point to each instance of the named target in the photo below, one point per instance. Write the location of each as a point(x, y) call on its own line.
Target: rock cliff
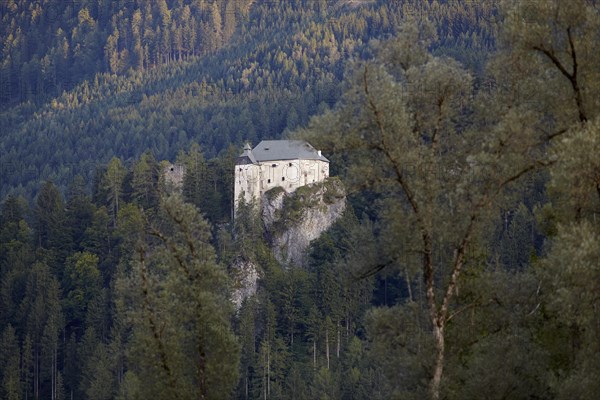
point(293, 220)
point(245, 275)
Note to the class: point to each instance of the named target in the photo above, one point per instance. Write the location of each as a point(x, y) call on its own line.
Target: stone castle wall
point(253, 180)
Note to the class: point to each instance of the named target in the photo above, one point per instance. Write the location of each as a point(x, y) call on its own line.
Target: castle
point(288, 164)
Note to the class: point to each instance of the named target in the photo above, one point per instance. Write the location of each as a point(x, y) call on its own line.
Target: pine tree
point(27, 367)
point(112, 182)
point(82, 284)
point(79, 209)
point(10, 357)
point(145, 182)
point(52, 234)
point(201, 361)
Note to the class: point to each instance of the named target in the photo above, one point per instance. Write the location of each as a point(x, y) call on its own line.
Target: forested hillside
point(263, 68)
point(51, 46)
point(466, 264)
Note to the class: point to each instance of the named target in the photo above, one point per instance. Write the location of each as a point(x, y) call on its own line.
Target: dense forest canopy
point(465, 266)
point(70, 73)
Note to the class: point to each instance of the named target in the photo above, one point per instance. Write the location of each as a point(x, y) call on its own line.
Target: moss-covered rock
point(293, 220)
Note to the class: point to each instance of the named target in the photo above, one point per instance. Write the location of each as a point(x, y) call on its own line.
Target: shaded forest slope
point(228, 72)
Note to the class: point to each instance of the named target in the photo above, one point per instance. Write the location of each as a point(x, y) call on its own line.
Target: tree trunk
point(52, 378)
point(314, 354)
point(327, 346)
point(265, 380)
point(36, 375)
point(439, 342)
point(347, 326)
point(410, 295)
point(54, 371)
point(338, 342)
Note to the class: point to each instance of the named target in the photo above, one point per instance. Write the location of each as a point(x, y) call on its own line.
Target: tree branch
point(156, 333)
point(172, 249)
point(554, 60)
point(371, 271)
point(574, 82)
point(428, 272)
point(572, 77)
point(467, 307)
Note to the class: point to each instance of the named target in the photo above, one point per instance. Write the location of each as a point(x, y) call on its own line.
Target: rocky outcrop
point(245, 275)
point(293, 220)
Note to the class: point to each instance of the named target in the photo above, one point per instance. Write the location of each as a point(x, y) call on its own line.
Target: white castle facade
point(288, 164)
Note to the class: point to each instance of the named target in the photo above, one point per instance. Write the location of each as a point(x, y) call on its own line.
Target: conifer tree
point(10, 357)
point(112, 182)
point(178, 283)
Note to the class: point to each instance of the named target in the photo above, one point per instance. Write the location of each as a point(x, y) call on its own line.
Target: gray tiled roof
point(271, 150)
point(246, 157)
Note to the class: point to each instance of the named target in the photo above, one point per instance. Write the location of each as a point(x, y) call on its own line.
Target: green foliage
point(9, 365)
point(82, 283)
point(50, 225)
point(114, 80)
point(117, 293)
point(112, 184)
point(408, 129)
point(570, 273)
point(274, 192)
point(178, 284)
point(303, 199)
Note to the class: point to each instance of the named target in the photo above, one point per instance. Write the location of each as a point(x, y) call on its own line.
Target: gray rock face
point(293, 220)
point(246, 278)
point(271, 205)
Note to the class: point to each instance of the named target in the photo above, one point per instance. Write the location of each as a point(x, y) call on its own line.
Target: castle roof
point(272, 150)
point(246, 157)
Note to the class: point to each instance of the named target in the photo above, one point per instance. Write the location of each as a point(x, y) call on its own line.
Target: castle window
point(268, 181)
point(240, 169)
point(290, 164)
point(283, 178)
point(273, 165)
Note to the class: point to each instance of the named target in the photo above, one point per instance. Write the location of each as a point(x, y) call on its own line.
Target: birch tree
point(442, 155)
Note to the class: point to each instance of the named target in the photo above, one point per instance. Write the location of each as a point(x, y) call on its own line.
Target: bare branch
point(554, 60)
point(427, 241)
point(371, 271)
point(574, 82)
point(571, 76)
point(385, 150)
point(467, 307)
